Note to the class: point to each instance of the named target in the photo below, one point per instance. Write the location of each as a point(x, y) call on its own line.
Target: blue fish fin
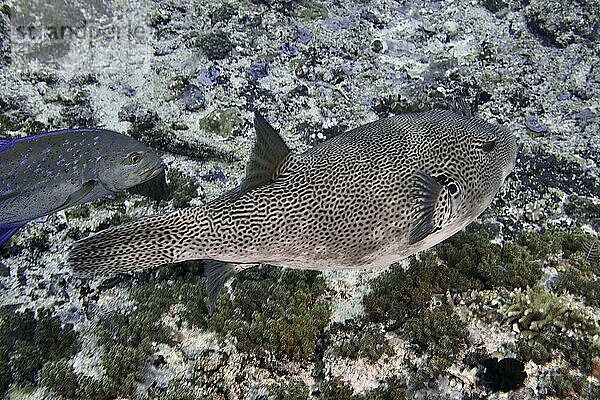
point(5, 143)
point(79, 197)
point(7, 232)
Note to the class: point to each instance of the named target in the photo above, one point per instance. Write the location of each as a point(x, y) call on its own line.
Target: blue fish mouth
point(152, 172)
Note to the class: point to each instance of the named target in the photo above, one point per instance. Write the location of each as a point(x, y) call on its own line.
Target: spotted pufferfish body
point(366, 198)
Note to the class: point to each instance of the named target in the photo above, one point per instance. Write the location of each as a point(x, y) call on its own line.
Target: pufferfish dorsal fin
point(268, 153)
point(426, 192)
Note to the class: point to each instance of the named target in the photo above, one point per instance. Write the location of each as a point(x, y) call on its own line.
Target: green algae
point(440, 335)
point(563, 383)
point(59, 377)
point(488, 264)
point(274, 311)
point(215, 45)
point(5, 9)
point(391, 389)
point(469, 261)
point(466, 263)
point(312, 10)
point(175, 390)
point(129, 338)
point(336, 389)
point(401, 299)
point(581, 277)
point(368, 344)
point(28, 341)
point(183, 188)
point(290, 390)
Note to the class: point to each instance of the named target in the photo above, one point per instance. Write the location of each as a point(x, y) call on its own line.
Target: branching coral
point(534, 309)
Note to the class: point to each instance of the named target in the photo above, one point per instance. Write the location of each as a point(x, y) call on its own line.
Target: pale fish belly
point(322, 257)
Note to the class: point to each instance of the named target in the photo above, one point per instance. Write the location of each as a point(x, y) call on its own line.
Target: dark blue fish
point(49, 172)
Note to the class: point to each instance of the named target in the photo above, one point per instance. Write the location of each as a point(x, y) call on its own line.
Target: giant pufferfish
point(366, 198)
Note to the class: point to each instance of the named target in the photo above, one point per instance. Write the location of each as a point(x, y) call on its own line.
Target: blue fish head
point(129, 167)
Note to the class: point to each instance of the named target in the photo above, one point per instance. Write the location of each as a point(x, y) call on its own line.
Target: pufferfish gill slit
point(366, 198)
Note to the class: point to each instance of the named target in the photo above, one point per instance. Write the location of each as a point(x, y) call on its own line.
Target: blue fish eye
point(132, 158)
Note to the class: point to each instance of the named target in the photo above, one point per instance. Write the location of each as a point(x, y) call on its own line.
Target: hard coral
point(534, 309)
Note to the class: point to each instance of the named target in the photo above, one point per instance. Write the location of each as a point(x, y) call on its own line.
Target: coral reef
point(562, 23)
point(185, 77)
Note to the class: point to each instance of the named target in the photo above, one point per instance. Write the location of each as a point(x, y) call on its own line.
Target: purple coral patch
point(585, 114)
point(289, 49)
point(302, 35)
point(532, 124)
point(192, 96)
point(336, 24)
point(216, 175)
point(208, 76)
point(257, 70)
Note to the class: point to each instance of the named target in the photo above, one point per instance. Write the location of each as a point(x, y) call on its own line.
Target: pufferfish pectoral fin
point(217, 273)
point(268, 154)
point(426, 192)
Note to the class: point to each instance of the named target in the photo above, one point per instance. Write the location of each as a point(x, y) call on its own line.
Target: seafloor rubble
point(518, 292)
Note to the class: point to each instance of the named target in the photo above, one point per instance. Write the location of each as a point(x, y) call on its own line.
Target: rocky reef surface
point(507, 309)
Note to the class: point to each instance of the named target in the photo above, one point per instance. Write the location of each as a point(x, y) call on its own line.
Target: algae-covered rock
point(464, 262)
point(183, 188)
point(215, 45)
point(390, 389)
point(440, 334)
point(221, 122)
point(563, 22)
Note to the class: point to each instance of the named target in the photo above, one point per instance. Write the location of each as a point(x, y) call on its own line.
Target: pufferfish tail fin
point(143, 244)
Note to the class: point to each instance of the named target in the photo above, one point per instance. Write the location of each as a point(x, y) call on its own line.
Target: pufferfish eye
point(453, 189)
point(132, 158)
